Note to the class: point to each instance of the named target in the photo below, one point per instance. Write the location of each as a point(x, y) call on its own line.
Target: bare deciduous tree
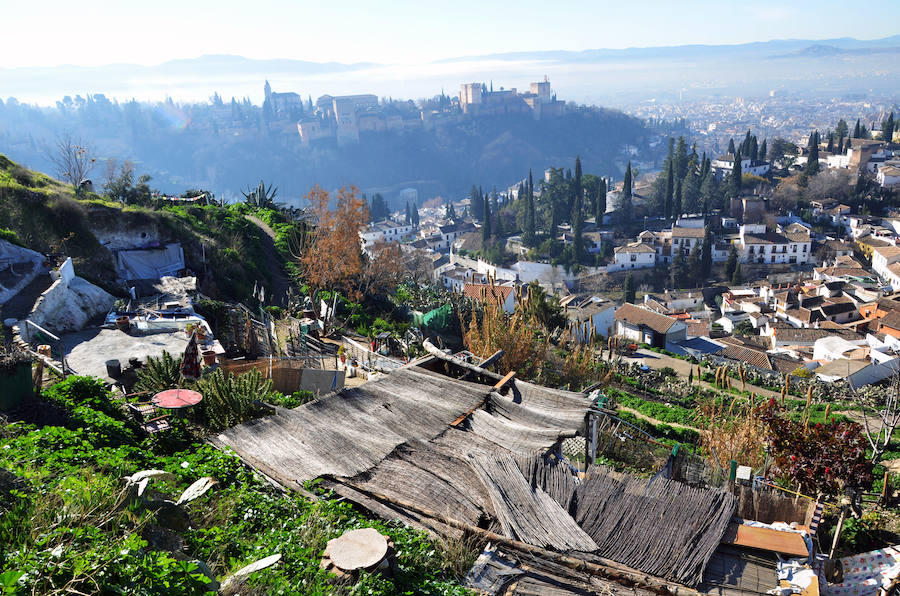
point(879, 425)
point(73, 157)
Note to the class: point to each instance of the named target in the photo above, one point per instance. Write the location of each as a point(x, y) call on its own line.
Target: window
point(794, 248)
point(633, 258)
point(805, 247)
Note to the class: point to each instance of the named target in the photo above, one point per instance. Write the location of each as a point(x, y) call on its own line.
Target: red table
point(175, 399)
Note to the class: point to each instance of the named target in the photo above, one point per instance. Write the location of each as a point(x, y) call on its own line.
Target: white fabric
point(150, 263)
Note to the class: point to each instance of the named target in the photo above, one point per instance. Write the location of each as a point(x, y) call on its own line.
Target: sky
point(93, 32)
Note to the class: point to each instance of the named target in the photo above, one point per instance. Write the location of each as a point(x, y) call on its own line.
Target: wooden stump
point(358, 549)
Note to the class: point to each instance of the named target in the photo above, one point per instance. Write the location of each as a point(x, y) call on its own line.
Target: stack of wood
point(356, 550)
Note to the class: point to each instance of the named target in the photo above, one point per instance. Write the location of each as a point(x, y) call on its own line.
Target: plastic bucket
point(114, 368)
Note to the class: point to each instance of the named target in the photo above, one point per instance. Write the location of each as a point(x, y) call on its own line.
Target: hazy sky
point(92, 32)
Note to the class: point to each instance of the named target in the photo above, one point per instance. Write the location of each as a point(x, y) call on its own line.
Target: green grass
point(66, 521)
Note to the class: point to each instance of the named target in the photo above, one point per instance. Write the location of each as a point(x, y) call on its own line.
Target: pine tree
point(670, 189)
point(706, 257)
point(629, 289)
point(676, 204)
point(841, 129)
point(450, 213)
point(732, 263)
point(737, 278)
point(762, 151)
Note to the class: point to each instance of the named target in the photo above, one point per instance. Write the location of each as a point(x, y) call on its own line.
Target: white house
point(635, 255)
point(760, 245)
point(886, 263)
point(723, 166)
point(645, 326)
point(384, 231)
point(888, 176)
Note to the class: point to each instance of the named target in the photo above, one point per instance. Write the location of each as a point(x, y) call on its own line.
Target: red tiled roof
point(485, 291)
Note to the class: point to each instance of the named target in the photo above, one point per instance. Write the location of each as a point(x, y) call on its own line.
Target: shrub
point(77, 391)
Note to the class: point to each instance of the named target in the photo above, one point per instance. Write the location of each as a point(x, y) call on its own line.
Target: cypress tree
point(600, 203)
point(706, 257)
point(830, 147)
point(676, 204)
point(415, 215)
point(754, 149)
point(670, 189)
point(734, 182)
point(857, 131)
point(408, 215)
point(681, 159)
point(476, 202)
point(693, 266)
point(731, 149)
point(624, 209)
point(737, 278)
point(745, 145)
point(678, 272)
point(887, 129)
point(762, 151)
point(812, 164)
point(629, 289)
point(577, 215)
point(486, 224)
point(531, 228)
point(840, 147)
point(732, 263)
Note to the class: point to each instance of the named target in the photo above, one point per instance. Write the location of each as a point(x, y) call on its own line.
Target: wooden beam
point(506, 379)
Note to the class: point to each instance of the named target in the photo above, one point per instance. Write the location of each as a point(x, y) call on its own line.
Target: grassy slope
point(41, 213)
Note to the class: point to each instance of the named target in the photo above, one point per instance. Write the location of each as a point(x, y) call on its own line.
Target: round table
point(176, 399)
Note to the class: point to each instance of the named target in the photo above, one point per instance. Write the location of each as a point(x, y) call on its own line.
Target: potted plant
point(15, 378)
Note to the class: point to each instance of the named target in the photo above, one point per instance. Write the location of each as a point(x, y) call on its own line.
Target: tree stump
point(364, 549)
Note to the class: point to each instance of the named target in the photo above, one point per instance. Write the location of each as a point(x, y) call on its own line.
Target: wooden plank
point(789, 543)
point(506, 379)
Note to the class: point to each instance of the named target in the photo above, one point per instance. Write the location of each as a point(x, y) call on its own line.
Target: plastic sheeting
point(150, 263)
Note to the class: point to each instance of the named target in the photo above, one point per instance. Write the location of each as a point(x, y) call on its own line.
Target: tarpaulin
point(150, 263)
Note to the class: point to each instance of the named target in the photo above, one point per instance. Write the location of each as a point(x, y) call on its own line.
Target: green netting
point(437, 319)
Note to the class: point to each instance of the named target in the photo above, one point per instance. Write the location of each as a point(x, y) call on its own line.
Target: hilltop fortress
point(343, 118)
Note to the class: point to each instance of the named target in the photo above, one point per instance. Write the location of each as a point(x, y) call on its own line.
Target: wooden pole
point(606, 568)
point(884, 489)
point(837, 532)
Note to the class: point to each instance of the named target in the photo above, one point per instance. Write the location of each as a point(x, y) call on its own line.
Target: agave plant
point(159, 374)
point(261, 196)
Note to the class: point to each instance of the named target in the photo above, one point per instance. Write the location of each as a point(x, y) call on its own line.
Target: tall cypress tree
point(670, 189)
point(681, 158)
point(408, 215)
point(678, 271)
point(857, 130)
point(830, 147)
point(731, 149)
point(706, 257)
point(629, 289)
point(676, 204)
point(476, 202)
point(754, 149)
point(600, 203)
point(577, 208)
point(486, 224)
point(731, 263)
point(625, 206)
point(840, 147)
point(812, 164)
point(734, 181)
point(762, 151)
point(531, 228)
point(887, 129)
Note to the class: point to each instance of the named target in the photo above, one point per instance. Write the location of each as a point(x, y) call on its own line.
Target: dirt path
point(280, 281)
point(654, 420)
